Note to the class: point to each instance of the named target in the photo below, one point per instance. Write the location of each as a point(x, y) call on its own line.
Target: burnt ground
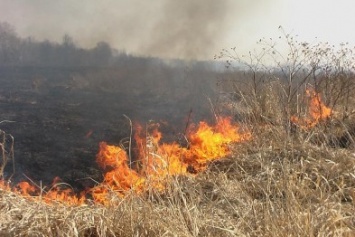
point(61, 114)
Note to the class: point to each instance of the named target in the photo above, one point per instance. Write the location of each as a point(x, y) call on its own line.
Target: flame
point(208, 144)
point(317, 111)
point(55, 194)
point(119, 177)
point(25, 189)
point(158, 162)
point(59, 194)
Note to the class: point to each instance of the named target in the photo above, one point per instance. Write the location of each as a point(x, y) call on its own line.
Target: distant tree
point(27, 51)
point(9, 44)
point(68, 42)
point(66, 52)
point(102, 54)
point(47, 53)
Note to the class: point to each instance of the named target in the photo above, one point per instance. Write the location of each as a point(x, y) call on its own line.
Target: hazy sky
point(179, 28)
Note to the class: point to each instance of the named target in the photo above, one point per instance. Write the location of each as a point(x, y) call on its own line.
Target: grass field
point(295, 176)
point(273, 185)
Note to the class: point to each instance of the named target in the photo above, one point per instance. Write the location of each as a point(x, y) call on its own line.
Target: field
point(294, 175)
point(58, 116)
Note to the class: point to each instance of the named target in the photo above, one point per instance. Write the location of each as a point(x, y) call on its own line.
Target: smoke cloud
point(189, 29)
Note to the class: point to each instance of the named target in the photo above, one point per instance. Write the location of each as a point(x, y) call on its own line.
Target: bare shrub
point(271, 81)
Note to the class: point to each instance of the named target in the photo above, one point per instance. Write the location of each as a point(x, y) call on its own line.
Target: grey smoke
point(164, 28)
point(187, 28)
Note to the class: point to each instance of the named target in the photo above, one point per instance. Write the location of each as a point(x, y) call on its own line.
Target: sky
point(189, 29)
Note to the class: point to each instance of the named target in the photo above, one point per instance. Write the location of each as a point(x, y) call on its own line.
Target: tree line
point(17, 51)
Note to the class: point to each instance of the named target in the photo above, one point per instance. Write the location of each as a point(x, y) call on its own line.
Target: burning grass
point(275, 184)
point(159, 162)
point(317, 111)
point(260, 190)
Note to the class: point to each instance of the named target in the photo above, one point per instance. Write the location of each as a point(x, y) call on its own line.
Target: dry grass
point(272, 186)
point(285, 182)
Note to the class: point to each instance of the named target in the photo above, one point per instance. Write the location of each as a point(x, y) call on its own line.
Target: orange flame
point(26, 189)
point(118, 178)
point(208, 144)
point(158, 162)
point(317, 111)
point(55, 194)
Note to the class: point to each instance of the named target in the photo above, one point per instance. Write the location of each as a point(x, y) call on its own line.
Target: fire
point(119, 177)
point(317, 111)
point(157, 163)
point(208, 144)
point(55, 194)
point(26, 189)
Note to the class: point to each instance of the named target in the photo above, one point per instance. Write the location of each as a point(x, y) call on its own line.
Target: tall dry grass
point(287, 181)
point(269, 187)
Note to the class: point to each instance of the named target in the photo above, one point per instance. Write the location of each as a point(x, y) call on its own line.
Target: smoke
point(188, 29)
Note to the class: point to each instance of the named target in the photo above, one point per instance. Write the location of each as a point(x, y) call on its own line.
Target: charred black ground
point(60, 114)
